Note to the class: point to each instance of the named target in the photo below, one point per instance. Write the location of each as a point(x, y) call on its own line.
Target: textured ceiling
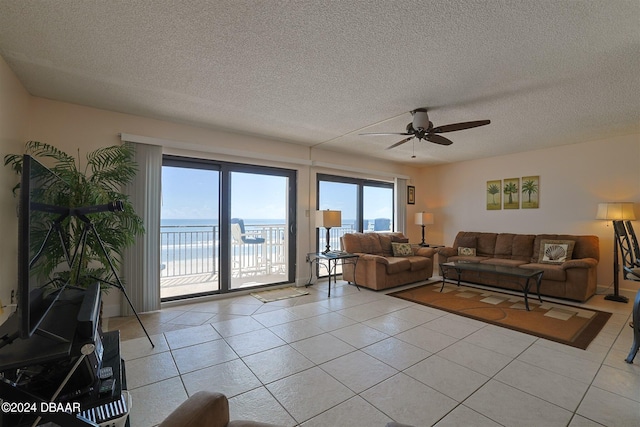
point(317, 73)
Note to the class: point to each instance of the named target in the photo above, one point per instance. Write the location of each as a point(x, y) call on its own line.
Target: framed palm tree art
point(530, 192)
point(511, 190)
point(494, 195)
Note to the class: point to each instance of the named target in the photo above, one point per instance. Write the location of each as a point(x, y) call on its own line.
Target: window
point(224, 227)
point(366, 205)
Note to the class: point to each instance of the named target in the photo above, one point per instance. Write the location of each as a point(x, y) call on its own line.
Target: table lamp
point(424, 218)
point(612, 211)
point(328, 219)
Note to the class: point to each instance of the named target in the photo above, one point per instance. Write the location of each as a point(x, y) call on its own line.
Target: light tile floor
point(363, 358)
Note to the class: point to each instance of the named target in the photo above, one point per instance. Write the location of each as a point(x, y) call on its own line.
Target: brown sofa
point(575, 278)
point(377, 267)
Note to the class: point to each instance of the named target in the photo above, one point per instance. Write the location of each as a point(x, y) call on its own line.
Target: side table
point(326, 259)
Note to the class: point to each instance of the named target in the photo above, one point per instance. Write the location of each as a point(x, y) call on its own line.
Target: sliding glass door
point(189, 231)
point(259, 227)
point(225, 227)
point(366, 205)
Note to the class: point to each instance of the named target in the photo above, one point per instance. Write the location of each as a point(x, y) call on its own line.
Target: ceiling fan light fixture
point(420, 119)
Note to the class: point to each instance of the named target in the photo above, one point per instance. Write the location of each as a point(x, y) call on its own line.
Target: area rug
point(562, 323)
point(279, 294)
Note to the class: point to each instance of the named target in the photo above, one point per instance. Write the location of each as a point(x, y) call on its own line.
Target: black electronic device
point(89, 312)
point(44, 216)
point(37, 211)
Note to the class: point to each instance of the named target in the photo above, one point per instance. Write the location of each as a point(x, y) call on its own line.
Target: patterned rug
point(279, 294)
point(562, 323)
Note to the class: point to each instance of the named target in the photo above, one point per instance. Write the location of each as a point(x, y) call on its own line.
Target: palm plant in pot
point(98, 182)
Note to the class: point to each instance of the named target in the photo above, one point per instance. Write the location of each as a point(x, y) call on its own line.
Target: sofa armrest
point(447, 251)
point(580, 263)
point(374, 258)
point(425, 252)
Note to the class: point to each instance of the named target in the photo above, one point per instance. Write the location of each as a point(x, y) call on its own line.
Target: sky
point(193, 194)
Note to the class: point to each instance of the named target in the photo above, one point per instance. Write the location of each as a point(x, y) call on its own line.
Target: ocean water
point(192, 246)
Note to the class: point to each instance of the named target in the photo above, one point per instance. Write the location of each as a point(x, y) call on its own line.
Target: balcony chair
point(240, 234)
point(631, 271)
point(240, 237)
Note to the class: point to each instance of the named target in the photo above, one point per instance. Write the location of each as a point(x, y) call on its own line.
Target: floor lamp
point(611, 211)
point(328, 219)
point(424, 218)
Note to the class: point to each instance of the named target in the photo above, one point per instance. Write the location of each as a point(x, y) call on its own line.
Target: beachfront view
point(254, 245)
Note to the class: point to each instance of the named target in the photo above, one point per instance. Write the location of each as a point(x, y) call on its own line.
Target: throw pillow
point(555, 251)
point(401, 249)
point(462, 251)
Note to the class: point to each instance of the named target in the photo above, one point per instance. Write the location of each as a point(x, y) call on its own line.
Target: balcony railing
point(195, 249)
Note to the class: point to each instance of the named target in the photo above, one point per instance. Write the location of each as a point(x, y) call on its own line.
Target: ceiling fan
point(422, 128)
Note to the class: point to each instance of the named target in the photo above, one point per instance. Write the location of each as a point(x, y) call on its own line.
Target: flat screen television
point(43, 204)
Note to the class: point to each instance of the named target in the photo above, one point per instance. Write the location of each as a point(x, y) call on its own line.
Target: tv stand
point(47, 374)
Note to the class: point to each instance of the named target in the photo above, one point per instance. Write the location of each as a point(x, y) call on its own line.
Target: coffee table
point(518, 273)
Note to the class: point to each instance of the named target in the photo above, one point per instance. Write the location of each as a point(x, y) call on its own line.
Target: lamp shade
point(616, 211)
point(424, 218)
point(328, 218)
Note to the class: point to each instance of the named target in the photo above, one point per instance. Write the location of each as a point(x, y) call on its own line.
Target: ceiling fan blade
point(394, 133)
point(400, 143)
point(437, 139)
point(460, 126)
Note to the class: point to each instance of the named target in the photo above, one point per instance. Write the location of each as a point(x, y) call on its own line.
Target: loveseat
point(569, 262)
point(385, 260)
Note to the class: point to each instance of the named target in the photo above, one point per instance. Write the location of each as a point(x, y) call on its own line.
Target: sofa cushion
point(555, 251)
point(419, 263)
point(504, 245)
point(401, 249)
point(467, 258)
point(397, 264)
point(467, 241)
point(351, 243)
point(504, 262)
point(370, 243)
point(522, 248)
point(586, 246)
point(486, 244)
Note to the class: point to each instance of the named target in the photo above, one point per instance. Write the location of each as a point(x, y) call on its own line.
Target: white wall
point(573, 180)
point(14, 104)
